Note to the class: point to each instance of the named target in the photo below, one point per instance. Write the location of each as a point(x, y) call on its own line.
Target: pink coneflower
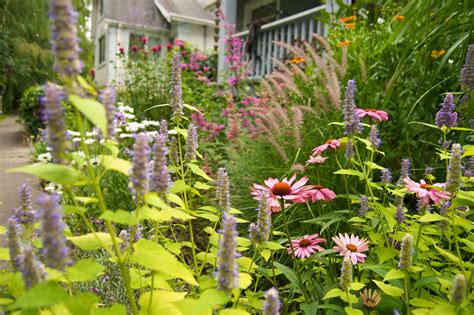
point(351, 246)
point(425, 191)
point(319, 192)
point(331, 143)
point(375, 114)
point(306, 246)
point(284, 189)
point(316, 159)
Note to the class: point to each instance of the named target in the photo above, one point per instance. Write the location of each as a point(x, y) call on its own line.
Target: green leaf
point(288, 272)
point(70, 209)
point(231, 311)
point(245, 280)
point(60, 174)
point(86, 86)
point(385, 253)
point(92, 110)
point(119, 216)
point(356, 286)
point(422, 303)
point(179, 186)
point(4, 254)
point(432, 217)
point(468, 150)
point(162, 302)
point(175, 199)
point(394, 274)
point(82, 303)
point(93, 242)
point(202, 186)
point(110, 162)
point(353, 311)
point(349, 298)
point(196, 170)
point(350, 172)
point(266, 254)
point(3, 230)
point(116, 309)
point(373, 165)
point(153, 256)
point(274, 246)
point(464, 198)
point(208, 300)
point(41, 295)
point(84, 270)
point(388, 288)
point(336, 292)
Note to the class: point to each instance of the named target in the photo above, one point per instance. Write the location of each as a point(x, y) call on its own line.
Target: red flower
point(144, 40)
point(169, 46)
point(134, 48)
point(92, 73)
point(121, 50)
point(156, 48)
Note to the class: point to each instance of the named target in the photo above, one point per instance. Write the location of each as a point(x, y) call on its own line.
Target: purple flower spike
point(454, 179)
point(32, 270)
point(160, 177)
point(349, 149)
point(25, 214)
point(191, 143)
point(65, 42)
point(386, 176)
point(227, 269)
point(223, 190)
point(139, 173)
point(446, 116)
point(364, 206)
point(164, 129)
point(405, 170)
point(467, 71)
point(352, 123)
point(260, 231)
point(14, 244)
point(54, 243)
point(107, 97)
point(272, 303)
point(53, 116)
point(176, 89)
point(399, 214)
point(374, 136)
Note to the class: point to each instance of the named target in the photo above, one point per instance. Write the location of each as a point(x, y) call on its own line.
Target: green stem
point(407, 291)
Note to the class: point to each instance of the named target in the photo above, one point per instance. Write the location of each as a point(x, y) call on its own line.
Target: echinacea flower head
point(272, 303)
point(446, 116)
point(370, 298)
point(329, 144)
point(351, 246)
point(316, 159)
point(316, 193)
point(286, 189)
point(306, 246)
point(425, 191)
point(375, 114)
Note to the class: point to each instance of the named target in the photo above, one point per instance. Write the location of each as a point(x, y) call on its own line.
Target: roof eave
point(192, 20)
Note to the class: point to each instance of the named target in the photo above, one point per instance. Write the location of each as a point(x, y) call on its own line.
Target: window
point(102, 49)
point(101, 7)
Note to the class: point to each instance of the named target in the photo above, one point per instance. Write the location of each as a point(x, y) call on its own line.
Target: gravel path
point(14, 151)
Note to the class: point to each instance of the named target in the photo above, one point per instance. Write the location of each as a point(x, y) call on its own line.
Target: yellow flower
point(297, 60)
point(350, 26)
point(348, 19)
point(399, 17)
point(344, 43)
point(437, 53)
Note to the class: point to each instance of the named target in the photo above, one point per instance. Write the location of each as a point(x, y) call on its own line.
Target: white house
point(120, 23)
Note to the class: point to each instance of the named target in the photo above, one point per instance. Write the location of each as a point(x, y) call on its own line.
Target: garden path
point(14, 151)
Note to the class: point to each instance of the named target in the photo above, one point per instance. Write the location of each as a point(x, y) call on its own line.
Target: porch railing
point(295, 27)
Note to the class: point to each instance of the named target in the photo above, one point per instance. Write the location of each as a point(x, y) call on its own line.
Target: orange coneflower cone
point(370, 298)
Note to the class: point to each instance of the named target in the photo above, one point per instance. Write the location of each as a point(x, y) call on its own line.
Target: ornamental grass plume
point(55, 252)
point(65, 42)
point(352, 123)
point(160, 179)
point(406, 252)
point(227, 268)
point(467, 71)
point(176, 88)
point(107, 97)
point(191, 143)
point(454, 180)
point(25, 214)
point(446, 116)
point(14, 244)
point(53, 115)
point(32, 270)
point(458, 291)
point(346, 274)
point(272, 303)
point(139, 174)
point(374, 136)
point(223, 190)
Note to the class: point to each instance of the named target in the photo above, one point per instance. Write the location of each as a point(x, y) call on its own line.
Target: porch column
point(229, 8)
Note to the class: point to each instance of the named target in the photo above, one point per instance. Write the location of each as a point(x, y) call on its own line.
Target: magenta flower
point(144, 40)
point(331, 143)
point(134, 48)
point(351, 246)
point(306, 246)
point(316, 159)
point(425, 191)
point(375, 114)
point(156, 48)
point(318, 192)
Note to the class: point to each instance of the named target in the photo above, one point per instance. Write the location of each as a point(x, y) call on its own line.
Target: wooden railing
point(296, 27)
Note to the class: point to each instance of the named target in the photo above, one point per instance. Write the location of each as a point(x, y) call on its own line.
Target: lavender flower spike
point(346, 274)
point(446, 116)
point(176, 89)
point(54, 243)
point(260, 231)
point(406, 252)
point(164, 129)
point(160, 177)
point(107, 97)
point(53, 116)
point(25, 214)
point(364, 206)
point(454, 179)
point(352, 123)
point(467, 71)
point(374, 136)
point(399, 214)
point(139, 174)
point(227, 274)
point(14, 244)
point(386, 176)
point(272, 303)
point(349, 150)
point(223, 190)
point(191, 143)
point(65, 42)
point(32, 270)
point(404, 170)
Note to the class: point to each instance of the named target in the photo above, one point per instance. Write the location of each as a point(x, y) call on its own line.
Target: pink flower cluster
point(316, 157)
point(233, 54)
point(212, 128)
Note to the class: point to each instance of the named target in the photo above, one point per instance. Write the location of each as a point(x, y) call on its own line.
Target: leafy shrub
point(30, 110)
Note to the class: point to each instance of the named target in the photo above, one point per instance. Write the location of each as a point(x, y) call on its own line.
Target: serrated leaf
point(41, 295)
point(93, 241)
point(389, 289)
point(92, 110)
point(60, 174)
point(198, 171)
point(394, 274)
point(84, 270)
point(336, 292)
